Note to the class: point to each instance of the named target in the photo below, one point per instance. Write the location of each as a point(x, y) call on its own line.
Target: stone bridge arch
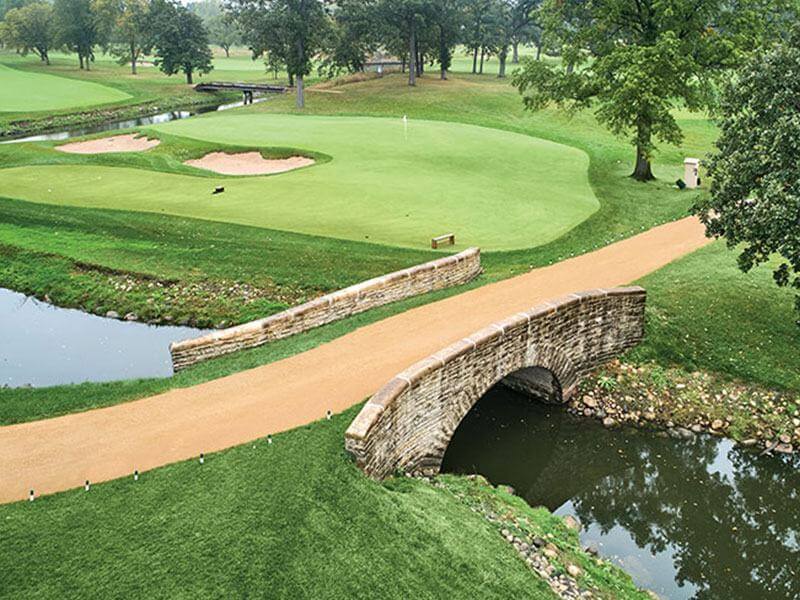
point(407, 425)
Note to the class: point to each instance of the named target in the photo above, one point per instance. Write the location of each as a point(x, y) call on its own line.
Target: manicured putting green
point(22, 91)
point(385, 184)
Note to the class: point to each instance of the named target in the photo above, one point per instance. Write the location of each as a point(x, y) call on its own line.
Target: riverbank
point(43, 123)
point(684, 404)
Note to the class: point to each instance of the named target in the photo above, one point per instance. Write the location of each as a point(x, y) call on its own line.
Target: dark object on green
point(681, 185)
point(218, 190)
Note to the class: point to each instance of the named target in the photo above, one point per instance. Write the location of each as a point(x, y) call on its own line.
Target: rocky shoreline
point(682, 405)
point(549, 545)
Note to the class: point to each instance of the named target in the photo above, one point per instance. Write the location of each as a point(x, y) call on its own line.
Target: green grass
point(81, 257)
point(292, 519)
point(187, 249)
point(24, 91)
point(704, 313)
point(147, 93)
point(495, 189)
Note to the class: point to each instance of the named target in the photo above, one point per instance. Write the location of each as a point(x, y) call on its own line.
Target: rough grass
point(290, 519)
point(495, 189)
point(704, 313)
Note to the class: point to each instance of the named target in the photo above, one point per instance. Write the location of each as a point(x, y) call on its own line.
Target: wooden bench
point(447, 239)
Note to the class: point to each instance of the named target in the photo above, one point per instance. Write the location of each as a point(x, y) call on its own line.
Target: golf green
point(23, 91)
point(387, 182)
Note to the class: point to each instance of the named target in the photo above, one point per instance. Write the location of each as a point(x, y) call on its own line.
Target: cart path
point(60, 453)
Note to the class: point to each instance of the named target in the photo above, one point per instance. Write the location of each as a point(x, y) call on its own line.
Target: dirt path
point(60, 453)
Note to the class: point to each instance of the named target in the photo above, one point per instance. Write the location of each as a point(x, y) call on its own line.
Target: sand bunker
point(248, 163)
point(117, 143)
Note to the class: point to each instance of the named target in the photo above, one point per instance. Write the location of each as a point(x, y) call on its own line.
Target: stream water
point(163, 117)
point(696, 519)
point(41, 344)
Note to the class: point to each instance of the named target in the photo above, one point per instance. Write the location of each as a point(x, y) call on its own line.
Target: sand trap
point(248, 163)
point(117, 143)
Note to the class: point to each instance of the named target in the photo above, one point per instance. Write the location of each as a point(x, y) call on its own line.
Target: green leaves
point(636, 60)
point(755, 193)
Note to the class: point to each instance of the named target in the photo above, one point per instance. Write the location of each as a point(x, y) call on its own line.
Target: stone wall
point(420, 279)
point(408, 424)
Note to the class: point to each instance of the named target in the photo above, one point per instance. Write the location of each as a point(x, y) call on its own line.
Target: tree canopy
point(755, 191)
point(180, 40)
point(636, 60)
point(289, 31)
point(125, 28)
point(77, 28)
point(31, 28)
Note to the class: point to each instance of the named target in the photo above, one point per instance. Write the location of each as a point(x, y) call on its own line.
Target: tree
point(477, 30)
point(78, 29)
point(30, 29)
point(522, 28)
point(636, 60)
point(755, 190)
point(355, 34)
point(124, 27)
point(503, 21)
point(447, 18)
point(223, 32)
point(405, 20)
point(180, 40)
point(289, 31)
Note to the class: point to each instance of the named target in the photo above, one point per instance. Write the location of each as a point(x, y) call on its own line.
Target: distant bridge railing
point(215, 86)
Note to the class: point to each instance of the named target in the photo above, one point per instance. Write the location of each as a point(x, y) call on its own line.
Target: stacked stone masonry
point(407, 425)
point(442, 273)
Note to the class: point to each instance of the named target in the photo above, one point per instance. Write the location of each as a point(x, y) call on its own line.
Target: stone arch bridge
point(407, 425)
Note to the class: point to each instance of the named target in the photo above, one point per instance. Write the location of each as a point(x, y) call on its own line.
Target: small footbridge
point(247, 89)
point(407, 425)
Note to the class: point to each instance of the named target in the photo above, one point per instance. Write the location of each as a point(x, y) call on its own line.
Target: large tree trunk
point(483, 54)
point(475, 61)
point(502, 58)
point(643, 170)
point(300, 100)
point(515, 55)
point(227, 51)
point(539, 45)
point(133, 59)
point(188, 76)
point(412, 55)
point(80, 59)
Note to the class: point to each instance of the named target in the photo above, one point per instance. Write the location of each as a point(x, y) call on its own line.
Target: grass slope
point(290, 519)
point(24, 91)
point(494, 189)
point(704, 313)
point(82, 257)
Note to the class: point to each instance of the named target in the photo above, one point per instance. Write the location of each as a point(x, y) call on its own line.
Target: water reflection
point(41, 345)
point(701, 519)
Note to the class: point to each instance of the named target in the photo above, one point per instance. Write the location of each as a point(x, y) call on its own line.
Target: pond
point(42, 345)
point(687, 519)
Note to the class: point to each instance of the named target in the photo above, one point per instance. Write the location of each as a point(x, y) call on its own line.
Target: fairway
point(24, 91)
point(492, 188)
